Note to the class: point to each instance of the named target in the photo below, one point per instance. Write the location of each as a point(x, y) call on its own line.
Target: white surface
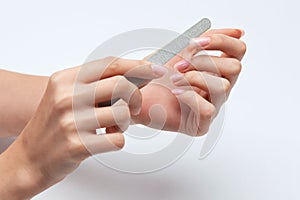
point(257, 156)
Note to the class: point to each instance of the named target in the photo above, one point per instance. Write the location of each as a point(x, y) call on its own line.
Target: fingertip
point(242, 32)
point(158, 70)
point(176, 77)
point(117, 141)
point(181, 65)
point(178, 91)
point(239, 33)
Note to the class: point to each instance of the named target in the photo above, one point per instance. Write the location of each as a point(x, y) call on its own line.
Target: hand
point(62, 131)
point(191, 109)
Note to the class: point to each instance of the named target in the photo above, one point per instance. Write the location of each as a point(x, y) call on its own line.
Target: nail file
point(166, 53)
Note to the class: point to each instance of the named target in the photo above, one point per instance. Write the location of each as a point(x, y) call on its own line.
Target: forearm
point(21, 177)
point(20, 96)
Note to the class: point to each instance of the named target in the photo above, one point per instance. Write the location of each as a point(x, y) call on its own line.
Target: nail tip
point(159, 70)
point(201, 41)
point(176, 77)
point(177, 91)
point(181, 65)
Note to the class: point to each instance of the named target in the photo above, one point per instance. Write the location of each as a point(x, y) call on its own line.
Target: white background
point(257, 156)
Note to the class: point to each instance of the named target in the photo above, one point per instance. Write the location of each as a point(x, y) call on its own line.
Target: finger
point(117, 115)
point(203, 81)
point(111, 66)
point(113, 129)
point(228, 68)
point(96, 144)
point(217, 88)
point(231, 32)
point(118, 87)
point(202, 110)
point(231, 47)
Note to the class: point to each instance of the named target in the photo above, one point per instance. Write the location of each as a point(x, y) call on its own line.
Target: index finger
point(230, 32)
point(111, 66)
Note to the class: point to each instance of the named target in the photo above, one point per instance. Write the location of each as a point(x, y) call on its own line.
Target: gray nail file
point(166, 53)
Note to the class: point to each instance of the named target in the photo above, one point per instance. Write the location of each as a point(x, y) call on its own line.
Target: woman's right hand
point(62, 133)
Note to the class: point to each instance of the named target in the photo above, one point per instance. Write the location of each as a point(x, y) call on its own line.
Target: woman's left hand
point(201, 84)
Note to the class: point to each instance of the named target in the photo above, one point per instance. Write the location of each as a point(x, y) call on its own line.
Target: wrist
point(19, 178)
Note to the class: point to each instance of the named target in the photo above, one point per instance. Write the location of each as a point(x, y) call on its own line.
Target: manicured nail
point(181, 65)
point(159, 70)
point(178, 91)
point(176, 77)
point(202, 41)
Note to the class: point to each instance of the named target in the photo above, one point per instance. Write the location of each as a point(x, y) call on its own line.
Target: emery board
point(166, 53)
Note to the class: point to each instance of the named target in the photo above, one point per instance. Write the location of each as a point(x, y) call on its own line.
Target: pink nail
point(182, 65)
point(176, 77)
point(202, 41)
point(178, 91)
point(159, 70)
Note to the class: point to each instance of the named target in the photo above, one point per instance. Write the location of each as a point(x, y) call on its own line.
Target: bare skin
point(210, 76)
point(52, 142)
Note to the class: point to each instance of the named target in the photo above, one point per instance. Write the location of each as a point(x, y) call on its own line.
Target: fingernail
point(181, 65)
point(202, 41)
point(159, 70)
point(178, 91)
point(176, 77)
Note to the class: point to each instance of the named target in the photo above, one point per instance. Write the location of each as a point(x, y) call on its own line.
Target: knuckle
point(142, 63)
point(110, 63)
point(192, 76)
point(121, 80)
point(114, 65)
point(119, 140)
point(207, 112)
point(226, 85)
point(55, 79)
point(201, 132)
point(236, 66)
point(218, 39)
point(123, 84)
point(123, 115)
point(67, 124)
point(243, 47)
point(59, 93)
point(109, 59)
point(76, 149)
point(127, 87)
point(62, 104)
point(136, 95)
